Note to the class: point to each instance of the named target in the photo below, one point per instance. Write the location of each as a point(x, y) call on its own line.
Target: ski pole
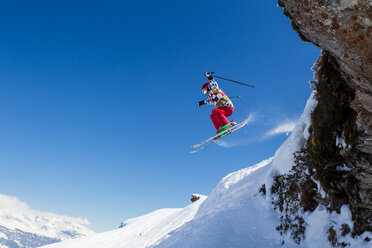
point(231, 97)
point(233, 81)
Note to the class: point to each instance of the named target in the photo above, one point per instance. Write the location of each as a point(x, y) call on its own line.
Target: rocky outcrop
point(194, 197)
point(339, 149)
point(335, 142)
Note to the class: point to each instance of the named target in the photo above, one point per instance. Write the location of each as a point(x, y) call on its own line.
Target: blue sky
point(98, 99)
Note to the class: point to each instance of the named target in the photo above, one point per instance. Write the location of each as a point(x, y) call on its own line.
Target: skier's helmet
point(205, 88)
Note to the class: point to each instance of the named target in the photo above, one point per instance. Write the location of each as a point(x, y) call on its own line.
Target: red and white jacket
point(217, 96)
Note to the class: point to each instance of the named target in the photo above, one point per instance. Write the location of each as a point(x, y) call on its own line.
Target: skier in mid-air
point(224, 106)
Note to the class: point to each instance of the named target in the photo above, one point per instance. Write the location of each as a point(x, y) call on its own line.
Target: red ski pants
point(219, 115)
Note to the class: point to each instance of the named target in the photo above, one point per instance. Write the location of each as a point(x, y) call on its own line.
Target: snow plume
point(15, 214)
point(223, 143)
point(240, 142)
point(250, 118)
point(285, 127)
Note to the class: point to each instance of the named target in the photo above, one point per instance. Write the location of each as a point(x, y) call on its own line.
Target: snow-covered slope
point(236, 214)
point(144, 231)
point(21, 226)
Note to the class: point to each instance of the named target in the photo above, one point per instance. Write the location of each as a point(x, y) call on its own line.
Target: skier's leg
point(227, 111)
point(214, 119)
point(222, 113)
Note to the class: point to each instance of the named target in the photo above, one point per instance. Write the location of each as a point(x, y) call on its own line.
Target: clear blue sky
point(98, 99)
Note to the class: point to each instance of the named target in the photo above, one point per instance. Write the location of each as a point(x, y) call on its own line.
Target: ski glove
point(208, 75)
point(201, 103)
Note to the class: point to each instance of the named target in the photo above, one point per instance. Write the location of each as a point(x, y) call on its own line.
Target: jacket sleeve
point(209, 101)
point(214, 86)
point(214, 95)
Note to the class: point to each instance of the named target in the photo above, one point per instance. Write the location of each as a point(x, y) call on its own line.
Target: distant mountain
point(22, 227)
point(17, 239)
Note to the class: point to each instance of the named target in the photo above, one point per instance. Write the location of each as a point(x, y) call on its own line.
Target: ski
point(243, 122)
point(201, 148)
point(213, 139)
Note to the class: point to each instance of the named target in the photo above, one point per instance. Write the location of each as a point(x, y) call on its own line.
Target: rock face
point(339, 149)
point(343, 27)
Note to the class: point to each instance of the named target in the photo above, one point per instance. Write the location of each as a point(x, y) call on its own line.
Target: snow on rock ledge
point(283, 161)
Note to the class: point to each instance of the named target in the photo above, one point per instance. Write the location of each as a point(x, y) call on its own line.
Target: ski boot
point(221, 131)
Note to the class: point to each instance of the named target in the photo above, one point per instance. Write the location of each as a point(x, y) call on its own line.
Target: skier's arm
point(205, 102)
point(214, 86)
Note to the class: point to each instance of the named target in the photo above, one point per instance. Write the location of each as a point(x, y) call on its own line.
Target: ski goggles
point(204, 91)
